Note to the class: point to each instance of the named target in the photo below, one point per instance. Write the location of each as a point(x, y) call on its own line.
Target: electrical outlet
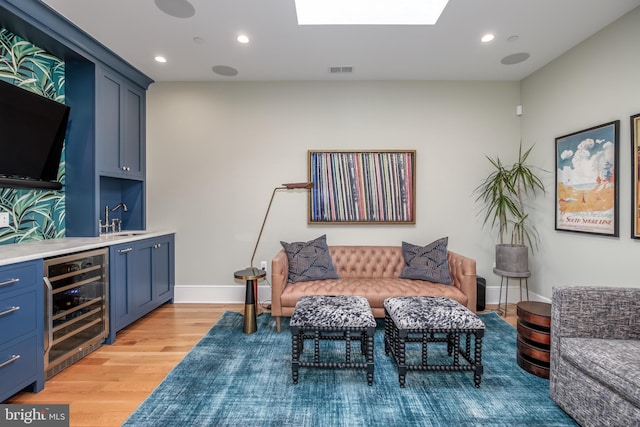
point(4, 219)
point(263, 265)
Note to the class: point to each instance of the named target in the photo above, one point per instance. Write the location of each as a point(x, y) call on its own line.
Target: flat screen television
point(32, 132)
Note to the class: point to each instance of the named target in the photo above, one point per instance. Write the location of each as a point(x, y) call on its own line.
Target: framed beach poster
point(587, 180)
point(362, 187)
point(635, 176)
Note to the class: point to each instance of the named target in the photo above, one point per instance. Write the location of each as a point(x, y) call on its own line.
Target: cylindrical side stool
point(534, 337)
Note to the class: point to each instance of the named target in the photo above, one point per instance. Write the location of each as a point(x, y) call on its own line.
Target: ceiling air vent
point(344, 69)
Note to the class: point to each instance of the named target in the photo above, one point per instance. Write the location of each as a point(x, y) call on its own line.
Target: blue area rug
point(233, 379)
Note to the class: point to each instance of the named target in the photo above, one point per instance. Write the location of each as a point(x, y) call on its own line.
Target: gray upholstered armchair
point(595, 354)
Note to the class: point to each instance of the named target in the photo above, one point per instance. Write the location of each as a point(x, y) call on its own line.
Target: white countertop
point(36, 249)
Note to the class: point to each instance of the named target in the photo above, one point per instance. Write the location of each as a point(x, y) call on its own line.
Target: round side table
point(251, 275)
point(534, 337)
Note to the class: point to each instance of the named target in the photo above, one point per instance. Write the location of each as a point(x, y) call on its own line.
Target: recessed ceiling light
point(242, 38)
point(369, 12)
point(160, 59)
point(487, 38)
point(198, 40)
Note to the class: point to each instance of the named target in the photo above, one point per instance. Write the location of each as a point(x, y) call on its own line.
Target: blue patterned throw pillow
point(309, 260)
point(427, 262)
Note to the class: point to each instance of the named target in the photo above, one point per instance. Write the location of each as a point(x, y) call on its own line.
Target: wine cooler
point(76, 307)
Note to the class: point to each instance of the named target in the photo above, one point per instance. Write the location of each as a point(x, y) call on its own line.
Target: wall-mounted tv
point(32, 132)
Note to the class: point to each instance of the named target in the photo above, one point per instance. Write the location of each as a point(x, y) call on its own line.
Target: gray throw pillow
point(309, 260)
point(427, 262)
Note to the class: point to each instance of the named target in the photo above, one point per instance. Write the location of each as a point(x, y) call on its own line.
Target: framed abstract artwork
point(587, 180)
point(635, 176)
point(362, 187)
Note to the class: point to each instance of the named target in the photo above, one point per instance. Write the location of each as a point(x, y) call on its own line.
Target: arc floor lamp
point(252, 274)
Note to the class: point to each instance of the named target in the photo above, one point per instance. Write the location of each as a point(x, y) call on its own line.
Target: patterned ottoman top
point(430, 313)
point(333, 312)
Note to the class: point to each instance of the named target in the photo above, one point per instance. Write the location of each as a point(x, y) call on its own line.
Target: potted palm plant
point(502, 195)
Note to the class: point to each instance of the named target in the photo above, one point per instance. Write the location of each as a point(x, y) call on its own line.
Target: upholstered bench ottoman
point(332, 318)
point(432, 319)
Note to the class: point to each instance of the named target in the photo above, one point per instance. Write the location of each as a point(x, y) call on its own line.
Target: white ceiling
point(281, 50)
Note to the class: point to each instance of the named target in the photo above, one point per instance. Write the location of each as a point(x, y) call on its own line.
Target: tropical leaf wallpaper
point(33, 214)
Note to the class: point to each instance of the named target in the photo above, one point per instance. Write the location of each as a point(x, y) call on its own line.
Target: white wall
point(596, 82)
point(216, 151)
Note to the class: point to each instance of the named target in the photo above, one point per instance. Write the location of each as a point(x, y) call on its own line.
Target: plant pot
point(512, 258)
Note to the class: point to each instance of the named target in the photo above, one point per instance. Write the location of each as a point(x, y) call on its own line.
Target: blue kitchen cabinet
point(21, 328)
point(120, 125)
point(142, 278)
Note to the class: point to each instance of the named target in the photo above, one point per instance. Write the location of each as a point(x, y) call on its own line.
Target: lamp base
point(250, 325)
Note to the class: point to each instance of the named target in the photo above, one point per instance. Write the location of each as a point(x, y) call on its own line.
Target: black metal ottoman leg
point(387, 333)
point(347, 344)
point(402, 366)
point(369, 353)
point(295, 355)
point(478, 371)
point(316, 347)
point(425, 348)
point(456, 348)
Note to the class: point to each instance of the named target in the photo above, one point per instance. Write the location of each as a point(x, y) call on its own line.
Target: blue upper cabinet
point(120, 122)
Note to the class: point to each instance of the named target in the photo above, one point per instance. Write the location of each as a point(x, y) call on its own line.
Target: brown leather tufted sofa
point(372, 272)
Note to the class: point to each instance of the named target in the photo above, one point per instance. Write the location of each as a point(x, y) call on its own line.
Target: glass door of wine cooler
point(76, 312)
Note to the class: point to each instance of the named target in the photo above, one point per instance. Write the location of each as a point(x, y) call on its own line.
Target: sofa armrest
point(279, 280)
point(595, 312)
point(463, 273)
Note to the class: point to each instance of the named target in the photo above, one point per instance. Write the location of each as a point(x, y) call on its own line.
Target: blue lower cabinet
point(142, 278)
point(21, 328)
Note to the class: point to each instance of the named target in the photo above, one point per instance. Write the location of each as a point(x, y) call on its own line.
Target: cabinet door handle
point(9, 282)
point(124, 251)
point(12, 359)
point(11, 310)
point(157, 245)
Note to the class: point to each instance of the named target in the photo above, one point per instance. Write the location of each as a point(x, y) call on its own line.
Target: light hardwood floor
point(105, 387)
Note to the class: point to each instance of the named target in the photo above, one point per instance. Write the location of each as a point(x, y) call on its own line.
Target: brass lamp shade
point(294, 185)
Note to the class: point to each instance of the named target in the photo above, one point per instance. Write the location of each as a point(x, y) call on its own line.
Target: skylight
point(369, 12)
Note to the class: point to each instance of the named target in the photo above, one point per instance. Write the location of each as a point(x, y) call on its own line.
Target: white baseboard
point(235, 294)
point(218, 294)
point(493, 293)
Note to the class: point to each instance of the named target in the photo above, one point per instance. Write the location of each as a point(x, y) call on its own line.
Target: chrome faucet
point(118, 206)
point(115, 223)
